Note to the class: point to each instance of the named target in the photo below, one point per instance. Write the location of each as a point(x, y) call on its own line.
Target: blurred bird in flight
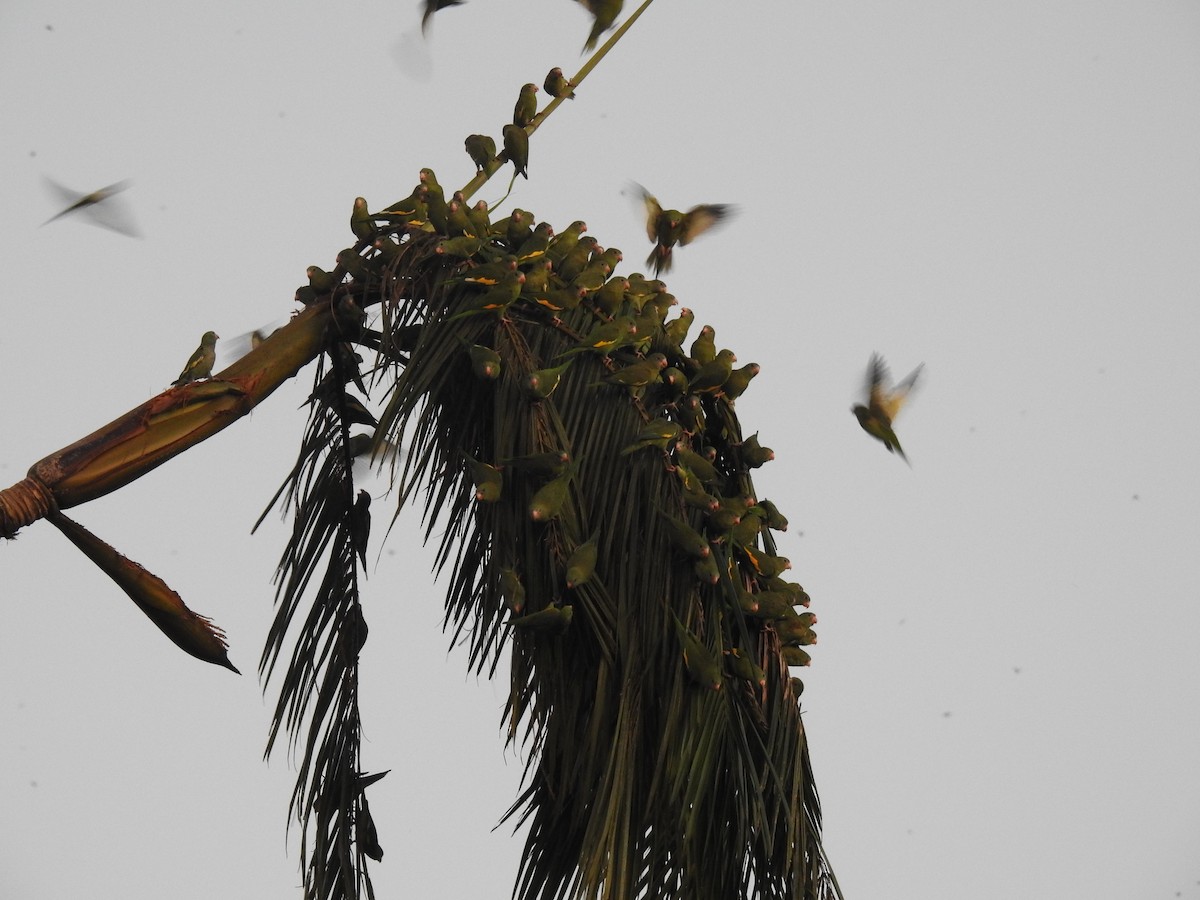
point(883, 403)
point(102, 207)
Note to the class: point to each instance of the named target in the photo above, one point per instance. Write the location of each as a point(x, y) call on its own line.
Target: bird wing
point(700, 219)
point(653, 211)
point(884, 400)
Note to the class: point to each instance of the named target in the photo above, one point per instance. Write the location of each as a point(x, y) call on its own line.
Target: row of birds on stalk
point(665, 227)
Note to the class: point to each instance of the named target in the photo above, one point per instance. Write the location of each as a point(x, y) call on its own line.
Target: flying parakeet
point(200, 365)
point(432, 6)
point(883, 403)
point(668, 227)
point(99, 207)
point(604, 14)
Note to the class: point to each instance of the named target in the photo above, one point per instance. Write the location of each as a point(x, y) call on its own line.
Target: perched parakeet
point(704, 347)
point(883, 403)
point(516, 145)
point(638, 374)
point(548, 463)
point(611, 295)
point(200, 365)
point(481, 149)
point(554, 619)
point(605, 337)
point(657, 433)
point(581, 564)
point(676, 330)
point(668, 227)
point(485, 362)
point(542, 382)
point(775, 519)
point(698, 465)
point(557, 85)
point(517, 227)
point(744, 667)
point(526, 109)
point(512, 590)
point(685, 538)
point(435, 200)
point(604, 15)
point(99, 207)
point(564, 241)
point(571, 263)
point(753, 454)
point(432, 6)
point(480, 220)
point(361, 222)
point(712, 375)
point(488, 480)
point(700, 662)
point(739, 379)
point(550, 498)
point(319, 280)
point(535, 245)
point(794, 656)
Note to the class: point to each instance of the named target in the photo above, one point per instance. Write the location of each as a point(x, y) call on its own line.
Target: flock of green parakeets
point(518, 270)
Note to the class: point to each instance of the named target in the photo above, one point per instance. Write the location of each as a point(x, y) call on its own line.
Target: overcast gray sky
point(1004, 698)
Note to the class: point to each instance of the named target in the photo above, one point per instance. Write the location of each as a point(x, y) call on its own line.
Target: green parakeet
point(668, 227)
point(775, 519)
point(581, 564)
point(319, 280)
point(564, 241)
point(739, 379)
point(485, 362)
point(550, 498)
point(744, 667)
point(570, 264)
point(512, 590)
point(638, 374)
point(685, 538)
point(604, 16)
point(535, 245)
point(704, 347)
point(700, 662)
point(753, 454)
point(657, 433)
point(526, 109)
point(461, 247)
point(610, 297)
point(698, 465)
point(200, 365)
point(361, 222)
point(554, 619)
point(481, 149)
point(794, 656)
point(557, 85)
point(605, 337)
point(712, 375)
point(432, 6)
point(100, 207)
point(541, 383)
point(883, 403)
point(516, 145)
point(489, 481)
